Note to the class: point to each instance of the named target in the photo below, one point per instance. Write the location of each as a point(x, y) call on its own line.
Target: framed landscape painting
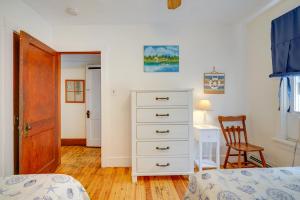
point(161, 58)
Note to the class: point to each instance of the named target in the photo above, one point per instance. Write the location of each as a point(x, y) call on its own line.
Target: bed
point(41, 187)
point(243, 184)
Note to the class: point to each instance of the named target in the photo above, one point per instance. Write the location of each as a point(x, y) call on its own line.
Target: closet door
point(93, 105)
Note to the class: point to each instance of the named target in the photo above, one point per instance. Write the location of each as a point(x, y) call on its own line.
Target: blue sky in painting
point(161, 51)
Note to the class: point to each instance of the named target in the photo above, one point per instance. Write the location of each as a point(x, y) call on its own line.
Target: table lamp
point(204, 105)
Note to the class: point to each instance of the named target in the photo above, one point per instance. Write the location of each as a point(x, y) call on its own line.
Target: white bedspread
point(244, 184)
point(41, 187)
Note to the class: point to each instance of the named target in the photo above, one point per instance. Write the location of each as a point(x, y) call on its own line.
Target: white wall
point(201, 47)
point(18, 14)
point(14, 15)
point(73, 114)
point(262, 92)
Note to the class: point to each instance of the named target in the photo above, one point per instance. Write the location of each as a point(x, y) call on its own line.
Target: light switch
point(113, 92)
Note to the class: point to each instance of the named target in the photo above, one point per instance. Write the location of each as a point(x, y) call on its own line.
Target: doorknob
point(27, 128)
point(88, 114)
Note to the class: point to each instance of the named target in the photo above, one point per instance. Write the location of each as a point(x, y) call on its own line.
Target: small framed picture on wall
point(214, 83)
point(74, 91)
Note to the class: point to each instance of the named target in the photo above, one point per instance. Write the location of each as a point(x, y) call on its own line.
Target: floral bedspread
point(244, 184)
point(41, 187)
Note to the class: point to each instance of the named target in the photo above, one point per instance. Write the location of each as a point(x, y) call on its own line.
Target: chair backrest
point(232, 134)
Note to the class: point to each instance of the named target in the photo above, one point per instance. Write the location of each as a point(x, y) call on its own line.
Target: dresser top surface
point(206, 127)
point(162, 90)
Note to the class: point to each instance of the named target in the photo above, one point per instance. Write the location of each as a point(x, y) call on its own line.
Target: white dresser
point(162, 132)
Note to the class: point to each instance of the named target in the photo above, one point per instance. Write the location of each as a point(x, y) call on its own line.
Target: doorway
point(80, 99)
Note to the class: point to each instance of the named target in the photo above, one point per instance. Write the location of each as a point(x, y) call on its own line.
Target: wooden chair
point(232, 135)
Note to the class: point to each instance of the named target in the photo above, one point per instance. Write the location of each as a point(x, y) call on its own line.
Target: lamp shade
point(204, 104)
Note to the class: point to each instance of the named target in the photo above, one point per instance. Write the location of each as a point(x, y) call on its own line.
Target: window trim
point(294, 87)
point(286, 142)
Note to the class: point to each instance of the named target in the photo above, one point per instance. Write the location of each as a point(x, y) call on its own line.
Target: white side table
point(207, 134)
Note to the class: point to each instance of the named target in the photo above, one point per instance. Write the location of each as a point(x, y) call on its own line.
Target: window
point(293, 117)
point(74, 91)
point(295, 101)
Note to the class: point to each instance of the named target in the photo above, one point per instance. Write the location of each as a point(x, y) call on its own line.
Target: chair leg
point(226, 158)
point(245, 157)
point(239, 160)
point(262, 159)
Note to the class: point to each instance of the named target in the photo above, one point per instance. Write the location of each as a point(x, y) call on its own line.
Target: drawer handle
point(162, 115)
point(162, 148)
point(166, 131)
point(162, 165)
point(162, 98)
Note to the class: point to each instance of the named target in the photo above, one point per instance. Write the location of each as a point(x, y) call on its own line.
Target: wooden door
point(39, 86)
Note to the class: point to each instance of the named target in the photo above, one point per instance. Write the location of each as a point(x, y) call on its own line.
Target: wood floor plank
point(141, 189)
point(180, 185)
point(168, 188)
point(84, 164)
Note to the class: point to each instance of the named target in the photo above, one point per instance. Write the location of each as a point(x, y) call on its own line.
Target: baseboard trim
point(73, 142)
point(116, 161)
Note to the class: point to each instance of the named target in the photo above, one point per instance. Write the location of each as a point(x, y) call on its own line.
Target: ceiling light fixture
point(173, 4)
point(72, 11)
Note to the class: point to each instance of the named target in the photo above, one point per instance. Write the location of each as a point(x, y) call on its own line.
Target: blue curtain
point(285, 38)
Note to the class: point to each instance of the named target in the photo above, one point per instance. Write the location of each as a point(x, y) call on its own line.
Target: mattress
point(41, 187)
point(243, 184)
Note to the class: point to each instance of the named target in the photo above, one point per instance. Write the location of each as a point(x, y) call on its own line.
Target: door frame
point(16, 99)
point(101, 87)
point(106, 159)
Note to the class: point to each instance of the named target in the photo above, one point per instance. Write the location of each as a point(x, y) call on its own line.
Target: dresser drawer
point(156, 165)
point(162, 99)
point(162, 131)
point(162, 115)
point(161, 148)
point(207, 135)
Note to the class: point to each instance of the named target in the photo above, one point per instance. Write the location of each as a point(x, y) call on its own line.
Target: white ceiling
point(147, 11)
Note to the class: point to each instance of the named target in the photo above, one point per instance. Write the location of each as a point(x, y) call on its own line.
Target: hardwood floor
point(115, 183)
